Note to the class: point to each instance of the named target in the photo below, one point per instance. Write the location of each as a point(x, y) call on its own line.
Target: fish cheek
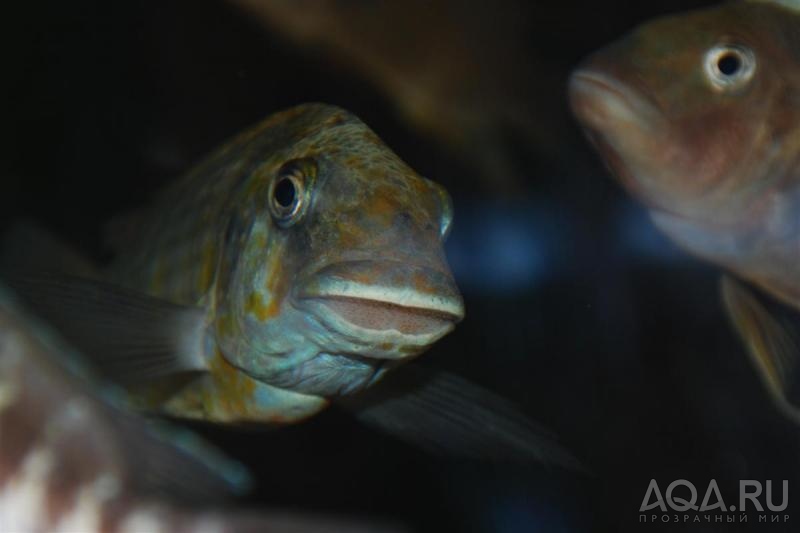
point(233, 242)
point(280, 270)
point(710, 146)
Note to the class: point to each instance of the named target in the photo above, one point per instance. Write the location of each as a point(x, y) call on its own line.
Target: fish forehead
point(761, 23)
point(358, 172)
point(365, 197)
point(364, 163)
point(175, 254)
point(662, 61)
point(310, 130)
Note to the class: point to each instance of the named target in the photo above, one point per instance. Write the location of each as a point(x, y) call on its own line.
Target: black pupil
point(285, 192)
point(729, 64)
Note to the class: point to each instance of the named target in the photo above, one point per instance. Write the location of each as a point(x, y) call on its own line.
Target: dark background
point(577, 309)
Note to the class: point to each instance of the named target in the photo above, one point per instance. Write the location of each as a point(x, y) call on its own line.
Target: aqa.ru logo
point(749, 489)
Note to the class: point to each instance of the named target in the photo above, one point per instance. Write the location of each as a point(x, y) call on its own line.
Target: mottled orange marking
point(255, 306)
point(420, 187)
point(350, 235)
point(273, 309)
point(365, 278)
point(421, 283)
point(261, 241)
point(382, 205)
point(224, 325)
point(354, 161)
point(208, 262)
point(233, 391)
point(276, 287)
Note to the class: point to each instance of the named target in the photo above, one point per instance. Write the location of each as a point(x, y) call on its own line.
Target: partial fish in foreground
point(73, 458)
point(698, 115)
point(296, 265)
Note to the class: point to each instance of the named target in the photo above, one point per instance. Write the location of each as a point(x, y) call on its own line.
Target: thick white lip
point(406, 298)
point(412, 344)
point(389, 343)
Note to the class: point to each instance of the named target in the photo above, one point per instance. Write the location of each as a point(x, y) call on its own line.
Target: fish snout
point(624, 124)
point(398, 308)
point(606, 103)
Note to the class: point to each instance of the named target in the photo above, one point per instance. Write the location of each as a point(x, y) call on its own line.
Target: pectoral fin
point(770, 333)
point(441, 412)
point(127, 336)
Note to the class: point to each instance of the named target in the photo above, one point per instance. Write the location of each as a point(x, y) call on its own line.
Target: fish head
point(342, 274)
point(696, 113)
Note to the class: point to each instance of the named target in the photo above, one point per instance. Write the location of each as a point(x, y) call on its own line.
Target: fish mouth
point(393, 309)
point(623, 125)
point(605, 103)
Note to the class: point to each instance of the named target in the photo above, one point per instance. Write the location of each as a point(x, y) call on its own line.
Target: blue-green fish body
point(295, 266)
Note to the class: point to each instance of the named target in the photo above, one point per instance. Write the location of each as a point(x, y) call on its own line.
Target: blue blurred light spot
point(501, 247)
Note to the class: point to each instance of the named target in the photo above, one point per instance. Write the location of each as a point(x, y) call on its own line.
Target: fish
point(75, 458)
point(696, 114)
point(466, 76)
point(295, 266)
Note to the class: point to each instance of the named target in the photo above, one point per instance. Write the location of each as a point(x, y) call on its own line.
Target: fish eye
point(288, 196)
point(729, 66)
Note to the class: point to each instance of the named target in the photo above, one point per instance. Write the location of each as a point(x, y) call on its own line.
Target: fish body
point(312, 256)
point(698, 115)
point(294, 267)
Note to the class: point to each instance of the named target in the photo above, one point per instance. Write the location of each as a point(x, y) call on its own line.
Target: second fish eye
point(729, 66)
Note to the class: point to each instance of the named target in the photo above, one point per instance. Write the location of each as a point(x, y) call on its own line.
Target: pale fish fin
point(444, 413)
point(129, 337)
point(770, 334)
point(28, 247)
point(90, 425)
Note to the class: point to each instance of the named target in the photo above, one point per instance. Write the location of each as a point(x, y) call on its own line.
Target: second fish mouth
point(603, 102)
